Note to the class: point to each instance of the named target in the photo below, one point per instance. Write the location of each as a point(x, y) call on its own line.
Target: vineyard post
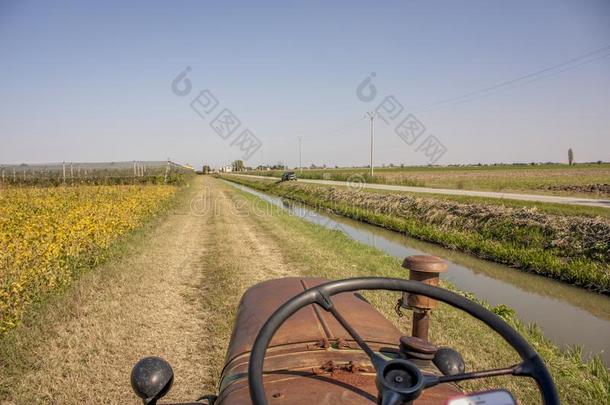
point(23, 174)
point(3, 175)
point(63, 165)
point(166, 171)
point(71, 172)
point(14, 176)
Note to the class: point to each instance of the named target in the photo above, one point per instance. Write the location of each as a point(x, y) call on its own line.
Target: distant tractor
point(288, 176)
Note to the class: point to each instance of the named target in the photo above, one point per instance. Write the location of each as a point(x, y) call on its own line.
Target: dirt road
point(160, 299)
point(592, 202)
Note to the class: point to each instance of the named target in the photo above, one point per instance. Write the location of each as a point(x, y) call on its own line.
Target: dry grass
point(239, 257)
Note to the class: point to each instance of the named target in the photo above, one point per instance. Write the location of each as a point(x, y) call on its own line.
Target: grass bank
point(543, 207)
point(572, 249)
point(315, 251)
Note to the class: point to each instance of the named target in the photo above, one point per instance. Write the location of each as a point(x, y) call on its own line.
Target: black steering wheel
point(412, 382)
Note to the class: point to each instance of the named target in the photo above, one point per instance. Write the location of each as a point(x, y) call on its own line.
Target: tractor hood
point(311, 359)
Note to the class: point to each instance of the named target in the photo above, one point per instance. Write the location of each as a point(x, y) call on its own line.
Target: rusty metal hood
point(311, 359)
point(310, 324)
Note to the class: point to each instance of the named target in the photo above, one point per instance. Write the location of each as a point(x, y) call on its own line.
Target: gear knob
point(151, 379)
point(449, 361)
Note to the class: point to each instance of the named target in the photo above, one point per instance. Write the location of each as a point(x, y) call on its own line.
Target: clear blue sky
point(85, 81)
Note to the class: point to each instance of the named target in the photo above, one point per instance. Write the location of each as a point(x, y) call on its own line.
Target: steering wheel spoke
point(391, 398)
point(376, 359)
point(432, 380)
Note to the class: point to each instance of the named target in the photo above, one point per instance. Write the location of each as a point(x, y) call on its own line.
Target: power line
point(550, 71)
point(342, 128)
point(520, 84)
point(586, 58)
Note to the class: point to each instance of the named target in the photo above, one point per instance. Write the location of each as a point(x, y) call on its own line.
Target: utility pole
point(300, 163)
point(371, 116)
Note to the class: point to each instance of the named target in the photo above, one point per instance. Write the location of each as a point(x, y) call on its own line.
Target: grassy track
point(574, 249)
point(174, 292)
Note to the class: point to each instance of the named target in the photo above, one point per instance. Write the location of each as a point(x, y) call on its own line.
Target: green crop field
point(591, 179)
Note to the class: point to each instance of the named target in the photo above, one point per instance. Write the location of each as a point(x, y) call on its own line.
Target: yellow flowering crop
point(47, 234)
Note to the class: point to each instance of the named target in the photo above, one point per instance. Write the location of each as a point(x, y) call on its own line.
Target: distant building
point(226, 169)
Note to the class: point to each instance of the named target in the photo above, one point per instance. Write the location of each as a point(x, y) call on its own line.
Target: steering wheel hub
point(400, 377)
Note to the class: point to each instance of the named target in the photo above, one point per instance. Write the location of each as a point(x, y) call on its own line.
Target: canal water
point(567, 315)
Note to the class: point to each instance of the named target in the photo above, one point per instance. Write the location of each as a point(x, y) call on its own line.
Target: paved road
point(490, 194)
